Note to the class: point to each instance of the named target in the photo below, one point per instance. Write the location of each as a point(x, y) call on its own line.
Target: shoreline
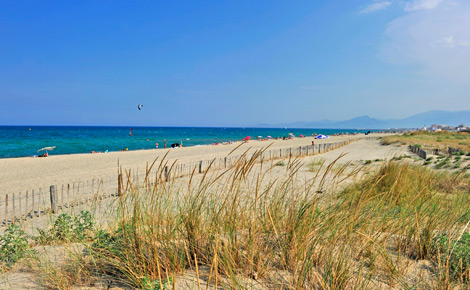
point(27, 173)
point(80, 140)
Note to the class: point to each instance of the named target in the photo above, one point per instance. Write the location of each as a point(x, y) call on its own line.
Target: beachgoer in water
point(164, 143)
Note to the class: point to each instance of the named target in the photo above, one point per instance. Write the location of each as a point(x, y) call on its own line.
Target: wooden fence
point(418, 151)
point(423, 153)
point(28, 204)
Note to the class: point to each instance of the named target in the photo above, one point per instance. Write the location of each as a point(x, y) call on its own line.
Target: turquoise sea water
point(21, 141)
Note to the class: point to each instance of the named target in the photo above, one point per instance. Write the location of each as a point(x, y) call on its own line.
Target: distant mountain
point(433, 117)
point(366, 122)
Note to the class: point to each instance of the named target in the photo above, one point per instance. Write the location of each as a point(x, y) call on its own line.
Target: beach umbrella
point(321, 137)
point(47, 149)
point(247, 138)
point(269, 137)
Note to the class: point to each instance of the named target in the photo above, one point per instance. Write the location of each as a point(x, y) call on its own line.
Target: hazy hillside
point(366, 122)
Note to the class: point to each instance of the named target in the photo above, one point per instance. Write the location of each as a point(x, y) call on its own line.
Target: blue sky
point(230, 63)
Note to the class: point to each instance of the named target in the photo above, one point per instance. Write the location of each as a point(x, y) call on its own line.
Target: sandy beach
point(86, 165)
point(21, 174)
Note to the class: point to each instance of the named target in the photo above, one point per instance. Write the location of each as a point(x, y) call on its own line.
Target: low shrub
point(13, 245)
point(280, 163)
point(454, 254)
point(68, 229)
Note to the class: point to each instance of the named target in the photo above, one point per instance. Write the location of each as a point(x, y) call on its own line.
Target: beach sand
point(83, 166)
point(21, 174)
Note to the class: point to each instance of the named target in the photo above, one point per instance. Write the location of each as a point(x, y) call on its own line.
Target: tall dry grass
point(432, 140)
point(248, 228)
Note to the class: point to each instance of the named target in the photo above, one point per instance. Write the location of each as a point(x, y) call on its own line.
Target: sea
point(24, 141)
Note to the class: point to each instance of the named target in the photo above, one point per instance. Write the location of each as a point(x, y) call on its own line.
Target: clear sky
point(230, 63)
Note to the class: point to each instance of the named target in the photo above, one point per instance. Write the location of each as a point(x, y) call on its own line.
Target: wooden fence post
point(53, 196)
point(32, 203)
point(13, 204)
point(26, 206)
point(19, 205)
point(200, 166)
point(119, 184)
point(39, 202)
point(6, 208)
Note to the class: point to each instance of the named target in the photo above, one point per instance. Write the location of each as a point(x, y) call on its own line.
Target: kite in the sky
point(140, 106)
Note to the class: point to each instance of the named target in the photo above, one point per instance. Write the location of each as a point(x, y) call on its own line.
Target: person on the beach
point(164, 143)
point(156, 145)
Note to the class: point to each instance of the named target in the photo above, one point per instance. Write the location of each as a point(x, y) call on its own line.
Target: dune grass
point(441, 140)
point(240, 225)
point(249, 230)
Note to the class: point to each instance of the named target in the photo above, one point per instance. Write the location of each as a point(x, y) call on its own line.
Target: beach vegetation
point(316, 164)
point(280, 163)
point(454, 253)
point(457, 164)
point(238, 228)
point(68, 228)
point(432, 140)
point(398, 158)
point(349, 237)
point(13, 245)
